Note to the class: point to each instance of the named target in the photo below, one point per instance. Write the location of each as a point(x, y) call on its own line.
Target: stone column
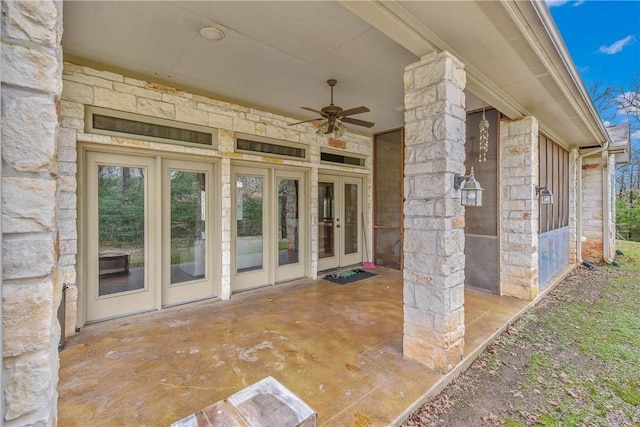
point(519, 208)
point(573, 191)
point(592, 207)
point(227, 186)
point(32, 279)
point(434, 223)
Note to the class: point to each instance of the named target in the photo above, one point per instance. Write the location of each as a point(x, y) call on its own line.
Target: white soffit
point(510, 58)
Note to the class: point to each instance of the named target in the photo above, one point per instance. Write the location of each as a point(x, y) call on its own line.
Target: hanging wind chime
point(484, 139)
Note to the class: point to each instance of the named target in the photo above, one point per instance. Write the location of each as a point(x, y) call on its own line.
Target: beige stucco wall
point(85, 86)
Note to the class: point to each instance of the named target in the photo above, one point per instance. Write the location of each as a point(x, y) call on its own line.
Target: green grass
point(590, 365)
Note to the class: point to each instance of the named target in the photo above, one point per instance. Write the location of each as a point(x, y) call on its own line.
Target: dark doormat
point(348, 276)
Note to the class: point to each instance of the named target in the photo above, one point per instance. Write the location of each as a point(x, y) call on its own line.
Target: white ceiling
point(277, 55)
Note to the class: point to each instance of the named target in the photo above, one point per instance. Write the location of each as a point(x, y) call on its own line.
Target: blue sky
point(603, 38)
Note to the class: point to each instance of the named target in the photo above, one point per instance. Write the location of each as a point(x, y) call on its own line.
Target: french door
point(269, 238)
point(149, 233)
point(120, 230)
point(187, 240)
point(339, 221)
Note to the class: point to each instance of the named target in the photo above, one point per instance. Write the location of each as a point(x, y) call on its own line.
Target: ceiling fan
point(333, 113)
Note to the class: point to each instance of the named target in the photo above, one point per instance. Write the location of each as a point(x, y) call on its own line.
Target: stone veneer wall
point(85, 86)
point(434, 222)
point(519, 208)
point(31, 280)
point(592, 214)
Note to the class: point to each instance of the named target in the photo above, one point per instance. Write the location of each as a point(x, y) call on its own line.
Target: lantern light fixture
point(546, 196)
point(471, 191)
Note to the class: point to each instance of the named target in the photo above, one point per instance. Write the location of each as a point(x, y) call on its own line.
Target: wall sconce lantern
point(471, 192)
point(546, 196)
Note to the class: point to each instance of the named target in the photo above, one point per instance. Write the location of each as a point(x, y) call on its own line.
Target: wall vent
point(255, 144)
point(118, 123)
point(342, 159)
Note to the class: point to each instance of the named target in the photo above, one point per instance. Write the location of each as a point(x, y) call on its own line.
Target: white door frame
point(90, 156)
point(340, 258)
point(201, 288)
point(270, 272)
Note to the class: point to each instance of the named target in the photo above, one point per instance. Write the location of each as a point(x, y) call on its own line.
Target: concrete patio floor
point(339, 348)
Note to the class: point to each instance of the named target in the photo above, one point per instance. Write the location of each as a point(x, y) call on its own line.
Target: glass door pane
point(288, 222)
point(188, 226)
point(188, 256)
point(249, 222)
point(121, 226)
point(119, 213)
point(351, 220)
point(326, 218)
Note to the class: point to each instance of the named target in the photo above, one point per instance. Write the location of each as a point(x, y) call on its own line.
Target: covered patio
point(339, 348)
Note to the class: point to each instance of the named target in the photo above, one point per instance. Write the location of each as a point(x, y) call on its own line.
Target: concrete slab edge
point(471, 357)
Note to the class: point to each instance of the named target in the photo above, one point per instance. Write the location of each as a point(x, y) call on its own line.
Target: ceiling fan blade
point(358, 122)
point(356, 110)
point(306, 121)
point(315, 111)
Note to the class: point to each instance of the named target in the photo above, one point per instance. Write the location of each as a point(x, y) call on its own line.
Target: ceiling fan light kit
point(335, 116)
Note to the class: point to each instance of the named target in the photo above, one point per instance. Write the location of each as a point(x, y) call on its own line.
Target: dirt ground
point(541, 370)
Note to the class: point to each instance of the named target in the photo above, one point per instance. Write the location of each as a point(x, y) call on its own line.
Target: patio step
point(266, 403)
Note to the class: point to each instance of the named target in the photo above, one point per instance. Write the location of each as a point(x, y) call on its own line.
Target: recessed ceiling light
point(398, 108)
point(211, 33)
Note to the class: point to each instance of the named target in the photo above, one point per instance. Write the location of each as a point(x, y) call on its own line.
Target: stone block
point(72, 110)
point(26, 317)
point(90, 137)
point(431, 299)
point(114, 100)
point(447, 208)
point(30, 68)
point(429, 74)
point(450, 242)
point(192, 115)
point(265, 403)
point(135, 87)
point(418, 350)
point(445, 359)
point(28, 134)
point(150, 107)
point(28, 205)
point(418, 317)
point(452, 280)
point(32, 21)
point(527, 293)
point(107, 75)
point(89, 80)
point(18, 256)
point(184, 99)
point(420, 332)
point(77, 92)
point(29, 381)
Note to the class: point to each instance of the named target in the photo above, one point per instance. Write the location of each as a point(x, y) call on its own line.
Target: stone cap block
point(266, 403)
